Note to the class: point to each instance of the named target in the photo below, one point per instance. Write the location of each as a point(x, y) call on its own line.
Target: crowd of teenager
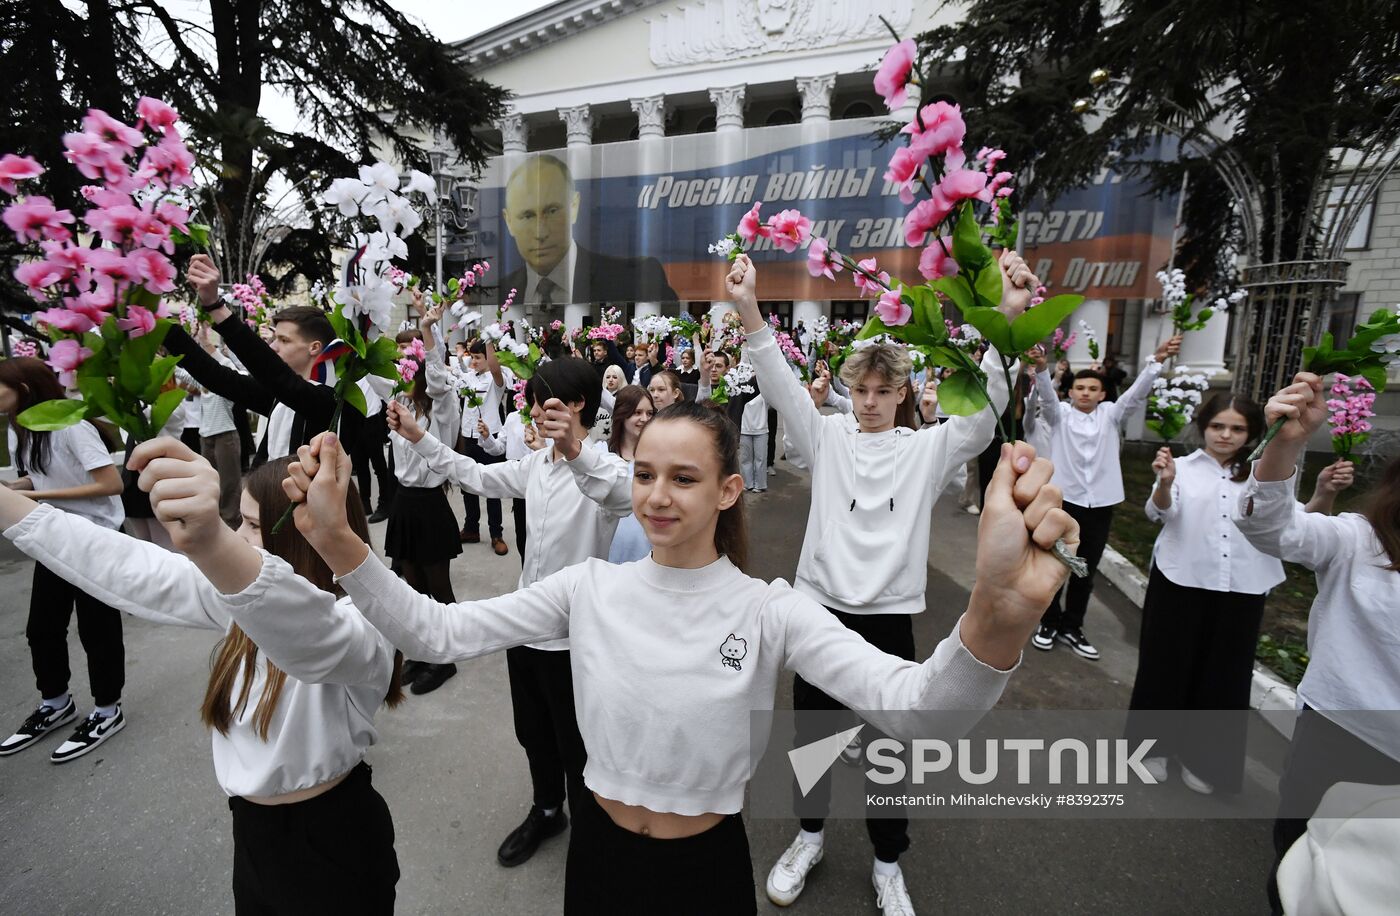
point(627, 484)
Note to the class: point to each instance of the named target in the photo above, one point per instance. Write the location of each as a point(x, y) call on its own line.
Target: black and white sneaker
point(1043, 638)
point(91, 732)
point(1076, 640)
point(40, 722)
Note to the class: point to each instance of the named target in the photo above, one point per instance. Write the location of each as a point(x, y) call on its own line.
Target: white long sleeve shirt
point(338, 666)
point(1085, 445)
point(1354, 624)
point(409, 467)
point(1200, 546)
point(563, 526)
point(866, 546)
point(490, 394)
point(664, 699)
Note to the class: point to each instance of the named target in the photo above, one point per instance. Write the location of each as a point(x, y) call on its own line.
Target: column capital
point(578, 121)
point(514, 132)
point(816, 96)
point(729, 107)
point(651, 116)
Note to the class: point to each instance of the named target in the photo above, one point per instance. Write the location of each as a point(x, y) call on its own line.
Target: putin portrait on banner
point(541, 206)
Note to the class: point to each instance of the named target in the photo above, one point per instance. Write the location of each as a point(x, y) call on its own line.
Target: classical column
point(1205, 349)
point(651, 116)
point(729, 108)
point(1093, 312)
point(578, 121)
point(575, 314)
point(808, 311)
point(514, 133)
point(816, 96)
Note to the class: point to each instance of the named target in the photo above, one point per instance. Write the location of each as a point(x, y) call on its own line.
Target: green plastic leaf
point(98, 391)
point(956, 290)
point(145, 298)
point(159, 374)
point(993, 326)
point(452, 285)
point(198, 235)
point(928, 314)
point(1035, 324)
point(356, 399)
point(59, 413)
point(164, 406)
point(962, 394)
point(989, 285)
point(873, 327)
point(968, 248)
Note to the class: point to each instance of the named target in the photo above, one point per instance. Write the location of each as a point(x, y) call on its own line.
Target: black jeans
point(367, 455)
point(1093, 538)
point(517, 509)
point(472, 449)
point(51, 603)
point(331, 854)
point(542, 700)
point(892, 633)
point(1196, 651)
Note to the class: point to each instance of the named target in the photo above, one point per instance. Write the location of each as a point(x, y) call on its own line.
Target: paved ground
point(140, 827)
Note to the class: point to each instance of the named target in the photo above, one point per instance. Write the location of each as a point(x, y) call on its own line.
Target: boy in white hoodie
point(865, 553)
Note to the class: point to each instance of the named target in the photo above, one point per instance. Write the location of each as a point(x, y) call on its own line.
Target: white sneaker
point(891, 896)
point(1195, 783)
point(972, 510)
point(1157, 766)
point(789, 876)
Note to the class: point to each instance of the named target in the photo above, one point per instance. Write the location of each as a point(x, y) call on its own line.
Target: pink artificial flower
point(469, 280)
point(936, 262)
point(115, 224)
point(156, 113)
point(867, 286)
point(154, 269)
point(93, 306)
point(110, 130)
point(94, 157)
point(904, 165)
point(106, 197)
point(480, 267)
point(15, 168)
point(174, 216)
point(893, 310)
point(926, 216)
point(989, 158)
point(66, 254)
point(168, 164)
point(820, 263)
point(998, 186)
point(64, 320)
point(37, 275)
point(962, 184)
point(415, 349)
point(138, 321)
point(750, 228)
point(35, 218)
point(790, 229)
point(408, 368)
point(892, 79)
point(938, 129)
point(25, 347)
point(65, 356)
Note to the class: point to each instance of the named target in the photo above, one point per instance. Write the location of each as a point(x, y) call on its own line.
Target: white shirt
point(410, 469)
point(510, 441)
point(73, 454)
point(1199, 546)
point(561, 275)
point(755, 418)
point(490, 395)
point(1354, 624)
point(1086, 445)
point(338, 666)
point(216, 412)
point(670, 664)
point(578, 528)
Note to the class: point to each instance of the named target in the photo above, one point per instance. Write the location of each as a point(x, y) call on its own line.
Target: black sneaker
point(522, 842)
point(1044, 638)
point(40, 722)
point(431, 677)
point(1076, 640)
point(91, 732)
point(379, 515)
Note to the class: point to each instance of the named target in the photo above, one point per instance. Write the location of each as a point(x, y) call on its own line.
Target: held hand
point(482, 430)
point(928, 401)
point(317, 482)
point(1039, 358)
point(1171, 348)
point(402, 421)
point(558, 424)
point(1303, 407)
point(1018, 284)
point(1336, 477)
point(204, 277)
point(741, 280)
point(533, 440)
point(1164, 465)
point(819, 388)
point(184, 492)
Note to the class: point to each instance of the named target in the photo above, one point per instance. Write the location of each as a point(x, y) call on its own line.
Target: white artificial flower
point(521, 350)
point(1389, 343)
point(722, 248)
point(381, 175)
point(373, 298)
point(318, 291)
point(420, 182)
point(493, 332)
point(346, 194)
point(969, 333)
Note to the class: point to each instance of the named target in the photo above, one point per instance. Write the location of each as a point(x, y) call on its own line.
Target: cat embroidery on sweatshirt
point(733, 650)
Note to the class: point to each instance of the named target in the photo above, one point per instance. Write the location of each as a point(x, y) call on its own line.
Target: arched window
point(706, 125)
point(780, 116)
point(858, 109)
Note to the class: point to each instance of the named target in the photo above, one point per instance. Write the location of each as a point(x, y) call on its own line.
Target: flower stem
point(333, 427)
point(1264, 442)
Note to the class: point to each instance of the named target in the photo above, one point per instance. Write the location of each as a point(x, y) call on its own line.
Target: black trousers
point(517, 509)
point(368, 454)
point(613, 870)
point(330, 855)
point(892, 633)
point(542, 700)
point(773, 437)
point(1093, 538)
point(51, 604)
point(472, 449)
point(1321, 755)
point(1196, 651)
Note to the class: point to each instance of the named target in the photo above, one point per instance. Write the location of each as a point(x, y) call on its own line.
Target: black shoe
point(411, 670)
point(91, 732)
point(40, 722)
point(525, 839)
point(1076, 640)
point(1044, 638)
point(431, 677)
point(381, 514)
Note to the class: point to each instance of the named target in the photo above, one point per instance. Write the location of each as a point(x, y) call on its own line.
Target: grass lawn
point(1284, 634)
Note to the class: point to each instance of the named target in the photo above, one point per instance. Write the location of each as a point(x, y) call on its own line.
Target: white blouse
point(1199, 546)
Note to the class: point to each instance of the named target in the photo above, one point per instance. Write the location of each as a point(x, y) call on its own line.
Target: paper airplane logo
point(810, 761)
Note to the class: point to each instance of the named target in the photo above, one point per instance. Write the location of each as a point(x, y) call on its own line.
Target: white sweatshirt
point(663, 699)
point(338, 666)
point(866, 546)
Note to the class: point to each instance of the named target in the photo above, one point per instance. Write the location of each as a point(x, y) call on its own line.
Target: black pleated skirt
point(421, 528)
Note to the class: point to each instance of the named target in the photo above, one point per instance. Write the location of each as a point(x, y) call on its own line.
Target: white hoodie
point(866, 547)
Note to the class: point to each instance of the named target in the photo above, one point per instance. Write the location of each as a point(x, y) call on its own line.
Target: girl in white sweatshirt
point(664, 699)
point(291, 698)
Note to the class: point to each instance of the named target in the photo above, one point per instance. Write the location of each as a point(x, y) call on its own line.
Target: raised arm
point(314, 401)
point(1137, 393)
point(960, 439)
point(603, 477)
point(507, 479)
point(244, 391)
